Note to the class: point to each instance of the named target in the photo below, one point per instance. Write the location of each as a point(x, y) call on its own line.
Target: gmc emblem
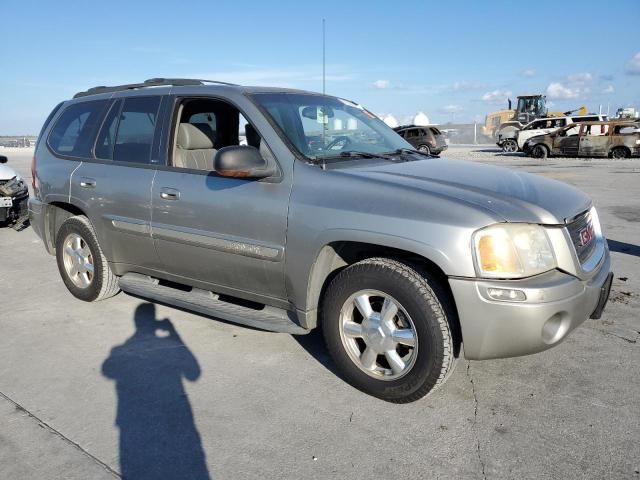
point(586, 235)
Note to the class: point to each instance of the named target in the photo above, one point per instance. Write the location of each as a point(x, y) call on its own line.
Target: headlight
point(512, 251)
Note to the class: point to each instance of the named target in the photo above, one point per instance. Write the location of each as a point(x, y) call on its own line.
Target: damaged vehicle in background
point(588, 139)
point(14, 195)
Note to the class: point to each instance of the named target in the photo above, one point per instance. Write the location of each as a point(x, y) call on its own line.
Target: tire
point(619, 152)
point(425, 149)
point(510, 146)
point(421, 308)
point(76, 249)
point(539, 151)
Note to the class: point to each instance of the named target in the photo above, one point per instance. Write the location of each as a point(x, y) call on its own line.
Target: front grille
point(578, 225)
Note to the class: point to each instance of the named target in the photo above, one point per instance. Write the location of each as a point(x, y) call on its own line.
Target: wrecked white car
point(14, 195)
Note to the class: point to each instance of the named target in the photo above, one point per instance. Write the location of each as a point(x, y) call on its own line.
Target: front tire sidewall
point(79, 227)
point(426, 371)
point(510, 146)
point(539, 151)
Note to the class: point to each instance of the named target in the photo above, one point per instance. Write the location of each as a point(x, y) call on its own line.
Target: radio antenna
point(323, 59)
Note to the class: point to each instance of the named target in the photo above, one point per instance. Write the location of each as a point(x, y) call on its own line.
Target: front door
point(225, 232)
point(570, 141)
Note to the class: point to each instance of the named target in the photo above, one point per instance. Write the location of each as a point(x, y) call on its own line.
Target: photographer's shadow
point(158, 436)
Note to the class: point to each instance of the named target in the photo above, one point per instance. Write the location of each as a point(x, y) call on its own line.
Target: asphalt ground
point(98, 390)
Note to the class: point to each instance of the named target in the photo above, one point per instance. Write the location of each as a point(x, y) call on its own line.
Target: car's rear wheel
point(82, 265)
point(510, 146)
point(425, 149)
point(619, 152)
point(387, 330)
point(539, 151)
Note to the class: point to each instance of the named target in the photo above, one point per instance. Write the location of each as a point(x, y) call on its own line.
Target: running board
point(208, 303)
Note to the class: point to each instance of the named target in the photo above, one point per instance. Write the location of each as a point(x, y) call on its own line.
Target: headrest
point(195, 136)
point(253, 137)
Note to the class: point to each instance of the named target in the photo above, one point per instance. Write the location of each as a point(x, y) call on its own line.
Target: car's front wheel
point(510, 146)
point(540, 151)
point(82, 265)
point(388, 330)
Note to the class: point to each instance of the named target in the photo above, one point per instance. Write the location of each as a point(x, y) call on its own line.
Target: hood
point(510, 195)
point(6, 173)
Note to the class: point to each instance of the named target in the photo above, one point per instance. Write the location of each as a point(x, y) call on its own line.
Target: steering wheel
point(342, 139)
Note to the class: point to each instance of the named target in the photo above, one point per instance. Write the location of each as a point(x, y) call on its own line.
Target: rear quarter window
point(74, 131)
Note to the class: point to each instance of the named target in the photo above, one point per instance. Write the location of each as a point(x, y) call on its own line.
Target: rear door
point(594, 140)
point(115, 186)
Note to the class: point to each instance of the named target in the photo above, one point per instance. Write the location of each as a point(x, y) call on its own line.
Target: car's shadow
point(313, 344)
point(623, 247)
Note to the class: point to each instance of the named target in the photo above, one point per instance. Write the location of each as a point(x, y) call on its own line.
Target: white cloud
point(496, 96)
point(529, 72)
point(609, 89)
point(580, 78)
point(465, 86)
point(559, 90)
point(452, 109)
point(381, 84)
point(633, 65)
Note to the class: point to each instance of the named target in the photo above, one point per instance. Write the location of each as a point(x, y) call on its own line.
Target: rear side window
point(107, 136)
point(73, 134)
point(136, 128)
point(128, 130)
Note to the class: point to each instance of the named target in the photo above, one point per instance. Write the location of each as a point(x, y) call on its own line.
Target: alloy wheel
point(378, 335)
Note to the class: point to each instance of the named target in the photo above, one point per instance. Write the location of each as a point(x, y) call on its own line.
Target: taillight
point(602, 129)
point(33, 173)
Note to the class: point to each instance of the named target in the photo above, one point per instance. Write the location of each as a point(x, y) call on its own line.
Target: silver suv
point(325, 218)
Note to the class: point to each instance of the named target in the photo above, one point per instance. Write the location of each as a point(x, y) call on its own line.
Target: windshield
point(322, 127)
point(534, 105)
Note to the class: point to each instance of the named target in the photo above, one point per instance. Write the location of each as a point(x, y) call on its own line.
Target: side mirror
point(3, 159)
point(242, 161)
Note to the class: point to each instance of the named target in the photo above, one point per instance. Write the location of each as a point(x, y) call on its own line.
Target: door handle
point(86, 182)
point(170, 194)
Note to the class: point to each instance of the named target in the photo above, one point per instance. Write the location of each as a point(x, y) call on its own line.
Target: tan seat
point(194, 147)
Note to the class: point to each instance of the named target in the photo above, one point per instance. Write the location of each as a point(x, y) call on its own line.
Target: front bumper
point(556, 304)
point(16, 212)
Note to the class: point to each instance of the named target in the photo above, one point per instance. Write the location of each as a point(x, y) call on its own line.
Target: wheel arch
point(54, 216)
point(623, 147)
point(335, 256)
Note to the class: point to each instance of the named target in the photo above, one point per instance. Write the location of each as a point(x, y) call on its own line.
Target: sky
point(453, 60)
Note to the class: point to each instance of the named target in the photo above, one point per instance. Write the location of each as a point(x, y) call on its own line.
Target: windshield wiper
point(407, 150)
point(351, 154)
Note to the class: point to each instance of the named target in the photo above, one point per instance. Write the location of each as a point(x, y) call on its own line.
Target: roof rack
point(152, 82)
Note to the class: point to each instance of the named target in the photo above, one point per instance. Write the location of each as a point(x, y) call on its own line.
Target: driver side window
point(204, 126)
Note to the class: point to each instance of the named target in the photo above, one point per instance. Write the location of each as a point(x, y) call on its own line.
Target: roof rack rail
point(152, 82)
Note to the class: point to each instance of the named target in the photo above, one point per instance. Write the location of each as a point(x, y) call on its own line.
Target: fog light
point(507, 294)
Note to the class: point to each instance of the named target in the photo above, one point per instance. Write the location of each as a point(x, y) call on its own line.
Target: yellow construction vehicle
point(529, 108)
